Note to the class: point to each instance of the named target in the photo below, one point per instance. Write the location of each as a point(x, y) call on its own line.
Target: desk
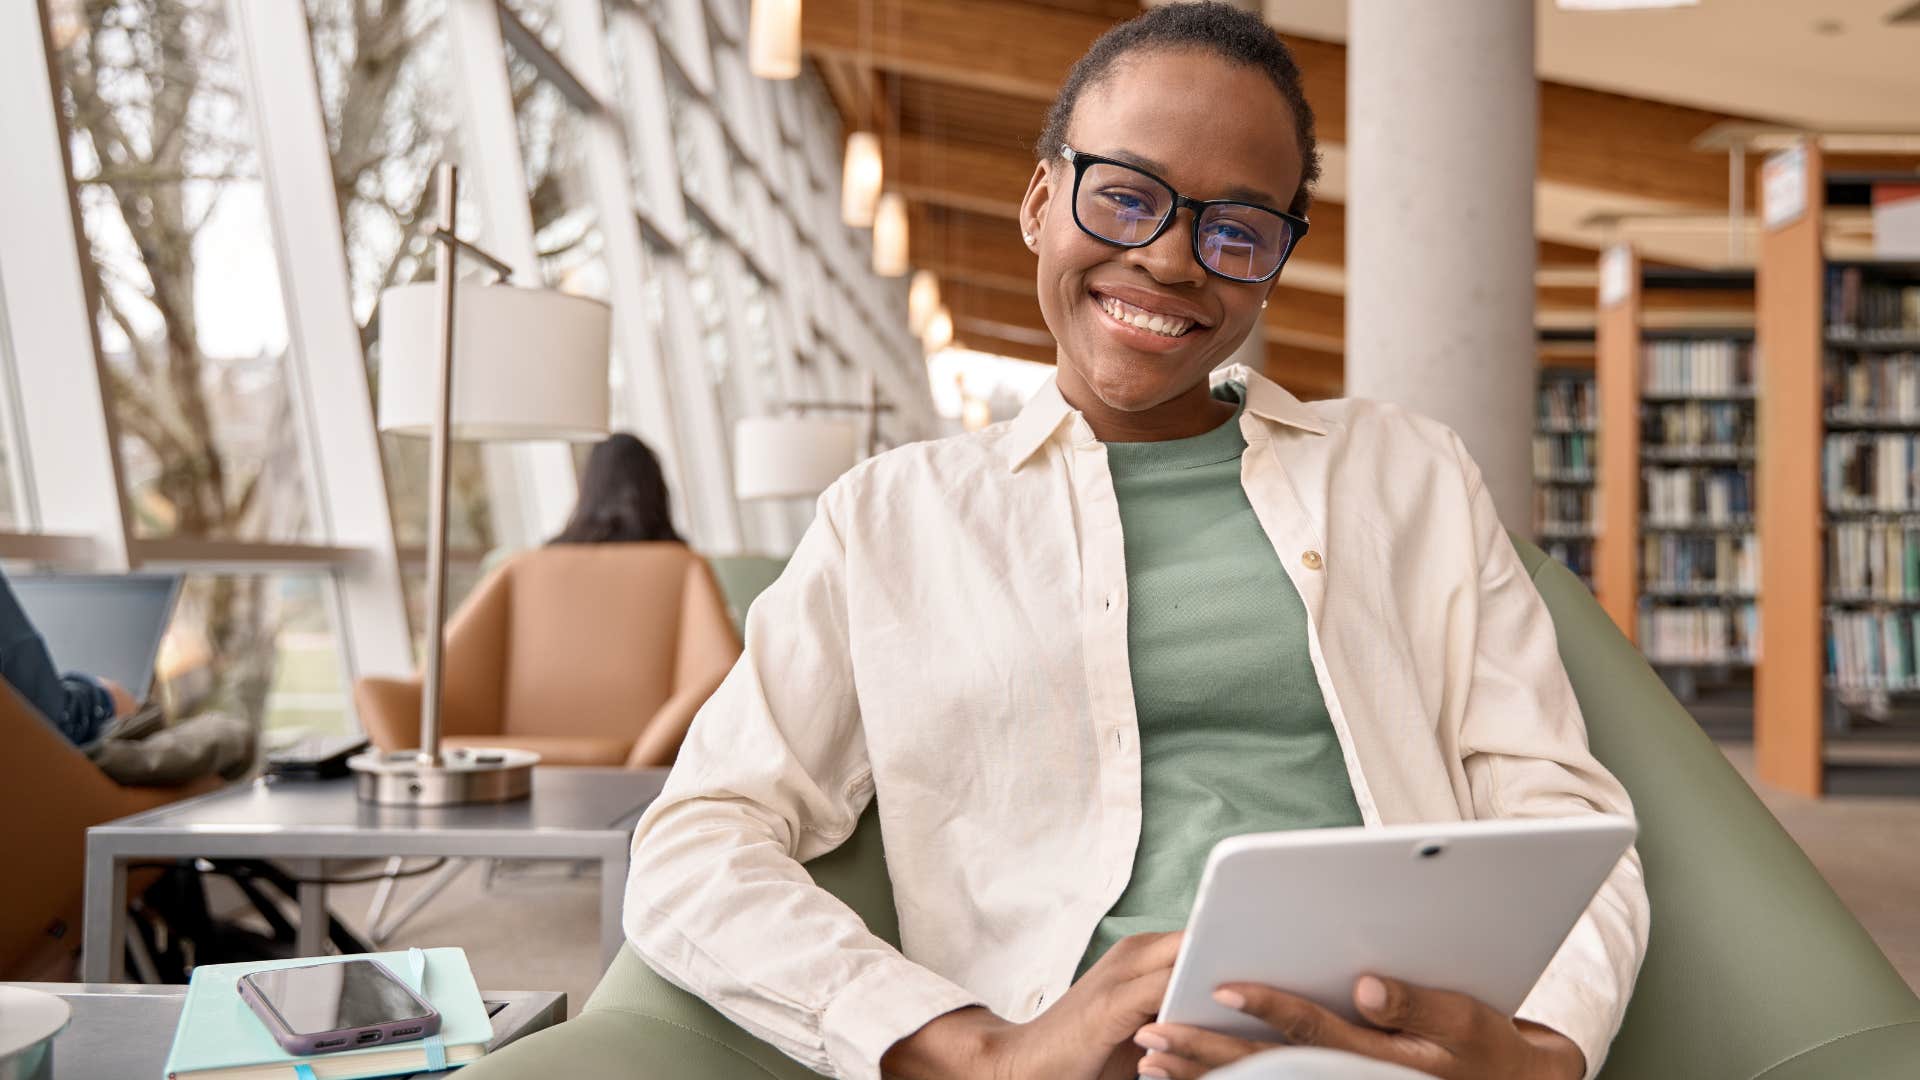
point(574, 813)
point(126, 1031)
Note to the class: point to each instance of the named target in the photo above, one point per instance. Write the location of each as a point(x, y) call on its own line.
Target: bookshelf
point(1565, 464)
point(1678, 557)
point(1840, 486)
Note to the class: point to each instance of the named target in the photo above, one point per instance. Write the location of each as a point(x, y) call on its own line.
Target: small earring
point(1029, 238)
point(1263, 305)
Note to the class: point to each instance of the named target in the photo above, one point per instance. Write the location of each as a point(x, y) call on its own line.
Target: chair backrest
point(1753, 959)
point(1754, 963)
point(743, 577)
point(594, 635)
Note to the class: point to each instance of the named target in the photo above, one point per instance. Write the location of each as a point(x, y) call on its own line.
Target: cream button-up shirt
point(950, 638)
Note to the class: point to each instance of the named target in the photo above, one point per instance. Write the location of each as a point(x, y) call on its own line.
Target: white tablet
point(1479, 907)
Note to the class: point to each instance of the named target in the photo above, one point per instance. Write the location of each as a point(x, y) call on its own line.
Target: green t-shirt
point(1234, 735)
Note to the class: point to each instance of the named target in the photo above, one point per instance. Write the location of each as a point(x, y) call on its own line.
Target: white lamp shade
point(527, 363)
point(787, 457)
point(773, 39)
point(860, 177)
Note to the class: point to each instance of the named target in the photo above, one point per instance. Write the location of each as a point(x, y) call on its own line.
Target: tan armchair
point(587, 654)
point(50, 794)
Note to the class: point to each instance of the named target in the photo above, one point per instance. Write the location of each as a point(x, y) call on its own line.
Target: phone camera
point(1431, 850)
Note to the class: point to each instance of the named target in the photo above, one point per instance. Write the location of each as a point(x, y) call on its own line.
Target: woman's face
point(1213, 130)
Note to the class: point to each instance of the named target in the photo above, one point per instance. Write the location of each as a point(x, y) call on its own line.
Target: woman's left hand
point(1444, 1034)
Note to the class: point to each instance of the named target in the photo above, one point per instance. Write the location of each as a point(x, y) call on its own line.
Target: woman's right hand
point(1086, 1035)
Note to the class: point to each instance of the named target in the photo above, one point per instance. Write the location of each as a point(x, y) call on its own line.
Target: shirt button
point(1311, 559)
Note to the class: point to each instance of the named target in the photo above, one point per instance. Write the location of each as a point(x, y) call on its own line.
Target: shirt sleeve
point(1541, 767)
point(774, 772)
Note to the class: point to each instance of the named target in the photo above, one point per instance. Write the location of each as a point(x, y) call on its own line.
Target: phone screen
point(331, 997)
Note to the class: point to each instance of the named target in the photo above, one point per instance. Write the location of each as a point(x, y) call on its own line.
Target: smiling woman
point(1165, 612)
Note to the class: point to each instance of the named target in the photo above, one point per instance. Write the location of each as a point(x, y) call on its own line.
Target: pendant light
point(939, 332)
point(773, 39)
point(890, 235)
point(860, 179)
point(923, 297)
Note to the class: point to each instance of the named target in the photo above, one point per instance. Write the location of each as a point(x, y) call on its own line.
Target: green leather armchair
point(1755, 969)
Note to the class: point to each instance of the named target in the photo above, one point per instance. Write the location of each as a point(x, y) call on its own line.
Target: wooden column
point(1616, 553)
point(1788, 684)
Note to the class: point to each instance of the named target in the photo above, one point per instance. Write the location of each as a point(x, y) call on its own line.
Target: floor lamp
point(506, 363)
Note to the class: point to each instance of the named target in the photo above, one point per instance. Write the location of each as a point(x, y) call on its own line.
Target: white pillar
point(1442, 130)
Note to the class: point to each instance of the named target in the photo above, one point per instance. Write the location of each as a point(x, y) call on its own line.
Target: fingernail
point(1371, 993)
point(1232, 999)
point(1150, 1041)
point(1155, 1070)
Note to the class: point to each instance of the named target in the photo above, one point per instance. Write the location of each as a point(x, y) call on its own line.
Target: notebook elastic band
point(434, 1045)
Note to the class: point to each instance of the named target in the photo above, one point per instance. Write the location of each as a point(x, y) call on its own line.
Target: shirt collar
point(1047, 412)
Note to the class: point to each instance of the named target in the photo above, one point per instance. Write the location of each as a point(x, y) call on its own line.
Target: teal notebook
point(220, 1038)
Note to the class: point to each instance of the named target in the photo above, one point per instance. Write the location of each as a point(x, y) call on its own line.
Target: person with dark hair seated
point(623, 497)
point(1066, 655)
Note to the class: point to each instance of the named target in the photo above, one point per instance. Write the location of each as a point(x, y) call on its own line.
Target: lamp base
point(463, 776)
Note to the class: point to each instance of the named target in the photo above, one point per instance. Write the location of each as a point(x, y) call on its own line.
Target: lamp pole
point(446, 266)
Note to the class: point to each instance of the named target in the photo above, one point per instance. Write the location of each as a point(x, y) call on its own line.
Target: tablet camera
point(1431, 849)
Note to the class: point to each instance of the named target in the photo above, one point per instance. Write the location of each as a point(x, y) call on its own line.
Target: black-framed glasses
point(1129, 207)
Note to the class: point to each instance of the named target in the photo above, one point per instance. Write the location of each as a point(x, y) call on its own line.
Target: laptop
point(108, 625)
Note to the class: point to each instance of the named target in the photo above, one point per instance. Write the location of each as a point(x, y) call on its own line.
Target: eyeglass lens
point(1125, 206)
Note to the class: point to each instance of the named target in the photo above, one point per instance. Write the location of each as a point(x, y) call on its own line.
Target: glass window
point(384, 77)
point(10, 517)
point(259, 646)
point(190, 311)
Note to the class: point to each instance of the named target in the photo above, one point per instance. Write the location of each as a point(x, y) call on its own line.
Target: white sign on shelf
point(1783, 187)
point(1616, 274)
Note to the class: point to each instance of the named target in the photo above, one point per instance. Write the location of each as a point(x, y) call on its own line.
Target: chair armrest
point(660, 740)
point(389, 711)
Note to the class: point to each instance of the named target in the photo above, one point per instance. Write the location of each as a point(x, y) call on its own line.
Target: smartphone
point(337, 1005)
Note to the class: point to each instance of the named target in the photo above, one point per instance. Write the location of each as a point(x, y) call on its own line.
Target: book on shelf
point(1722, 564)
point(1881, 388)
point(1698, 367)
point(1873, 561)
point(1877, 472)
point(1565, 511)
point(1861, 305)
point(1716, 426)
point(1683, 497)
point(1873, 650)
point(1575, 555)
point(1700, 635)
point(1568, 404)
point(1574, 453)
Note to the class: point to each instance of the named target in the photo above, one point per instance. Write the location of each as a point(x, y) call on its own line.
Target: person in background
point(80, 706)
point(623, 497)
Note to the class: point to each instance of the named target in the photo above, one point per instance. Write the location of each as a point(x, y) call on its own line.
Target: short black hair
point(1222, 29)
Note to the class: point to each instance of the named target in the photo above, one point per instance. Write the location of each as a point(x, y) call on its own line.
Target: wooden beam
point(971, 248)
point(1616, 552)
point(964, 176)
point(1015, 48)
point(1309, 373)
point(1304, 317)
point(1788, 693)
point(1005, 313)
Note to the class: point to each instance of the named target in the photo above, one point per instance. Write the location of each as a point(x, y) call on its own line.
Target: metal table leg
point(312, 938)
point(103, 917)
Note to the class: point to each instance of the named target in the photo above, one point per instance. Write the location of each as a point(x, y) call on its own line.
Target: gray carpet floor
point(535, 926)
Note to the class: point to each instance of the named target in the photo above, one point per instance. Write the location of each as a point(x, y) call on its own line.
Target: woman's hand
point(1086, 1035)
point(1445, 1034)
